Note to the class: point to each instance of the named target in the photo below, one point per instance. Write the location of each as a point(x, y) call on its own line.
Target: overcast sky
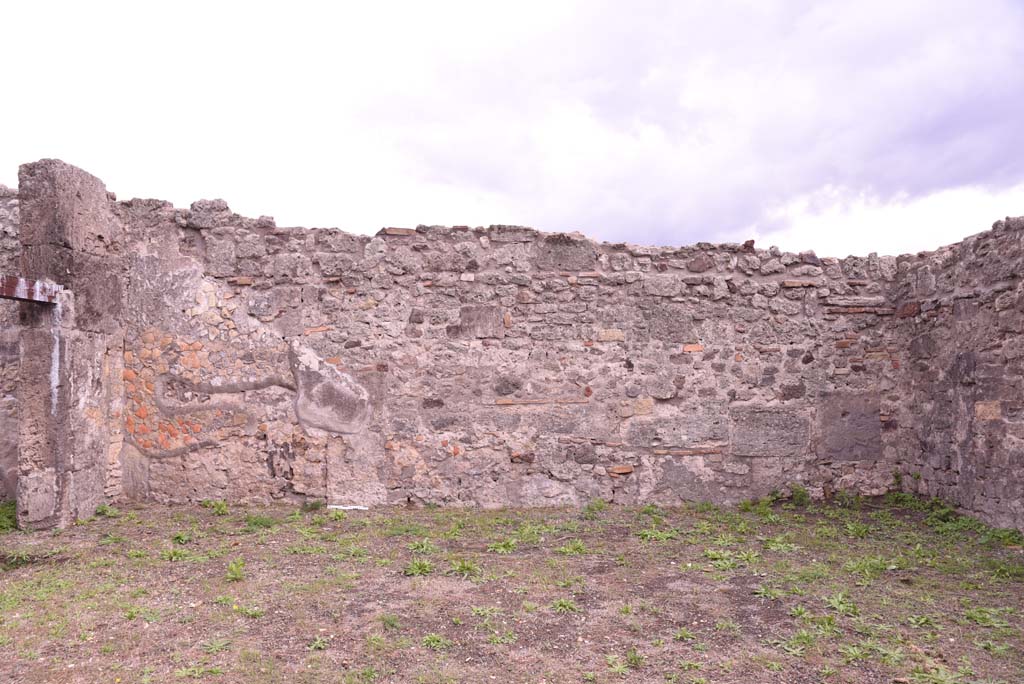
point(843, 127)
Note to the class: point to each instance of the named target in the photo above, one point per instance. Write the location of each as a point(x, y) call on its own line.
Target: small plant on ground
point(564, 605)
point(423, 546)
point(503, 547)
point(464, 568)
point(593, 510)
point(418, 567)
point(214, 646)
point(390, 623)
point(260, 522)
point(182, 538)
point(575, 547)
point(684, 634)
point(197, 671)
point(174, 555)
point(105, 511)
point(799, 495)
point(235, 571)
point(841, 604)
point(436, 642)
point(218, 506)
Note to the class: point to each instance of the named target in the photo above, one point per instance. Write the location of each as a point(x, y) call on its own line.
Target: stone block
point(661, 285)
point(681, 429)
point(37, 498)
point(480, 321)
point(611, 335)
point(328, 399)
point(670, 322)
point(849, 426)
point(988, 410)
point(61, 205)
point(561, 252)
point(763, 431)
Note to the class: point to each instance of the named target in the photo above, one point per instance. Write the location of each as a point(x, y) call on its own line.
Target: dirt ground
point(855, 591)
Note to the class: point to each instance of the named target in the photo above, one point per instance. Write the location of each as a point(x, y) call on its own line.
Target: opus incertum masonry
point(196, 354)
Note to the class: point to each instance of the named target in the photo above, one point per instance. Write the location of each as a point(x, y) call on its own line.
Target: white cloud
point(654, 121)
point(838, 222)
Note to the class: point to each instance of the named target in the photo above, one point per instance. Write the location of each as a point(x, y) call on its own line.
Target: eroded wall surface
point(9, 252)
point(496, 366)
point(224, 357)
point(964, 404)
point(70, 389)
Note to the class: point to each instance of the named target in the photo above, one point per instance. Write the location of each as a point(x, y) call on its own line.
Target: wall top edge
point(210, 214)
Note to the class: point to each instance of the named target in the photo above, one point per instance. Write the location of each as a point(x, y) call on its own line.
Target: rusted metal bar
point(29, 290)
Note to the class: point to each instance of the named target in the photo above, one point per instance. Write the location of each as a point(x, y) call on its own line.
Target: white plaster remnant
point(55, 359)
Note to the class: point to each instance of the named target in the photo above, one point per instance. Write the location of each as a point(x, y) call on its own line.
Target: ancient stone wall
point(496, 366)
point(70, 390)
point(502, 366)
point(9, 252)
point(963, 399)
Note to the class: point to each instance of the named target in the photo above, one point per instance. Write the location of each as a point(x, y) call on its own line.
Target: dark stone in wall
point(850, 427)
point(479, 321)
point(760, 431)
point(561, 252)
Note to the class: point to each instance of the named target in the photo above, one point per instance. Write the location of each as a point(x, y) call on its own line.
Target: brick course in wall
point(503, 366)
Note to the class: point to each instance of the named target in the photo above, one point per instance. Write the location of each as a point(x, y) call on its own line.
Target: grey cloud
point(754, 109)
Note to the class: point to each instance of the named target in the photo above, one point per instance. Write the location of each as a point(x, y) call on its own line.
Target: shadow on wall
point(8, 415)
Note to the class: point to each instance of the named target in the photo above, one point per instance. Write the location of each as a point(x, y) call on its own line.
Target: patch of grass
point(657, 534)
point(780, 544)
point(8, 516)
point(197, 671)
point(218, 506)
point(564, 605)
point(500, 638)
point(182, 538)
point(922, 621)
point(174, 555)
point(319, 643)
point(418, 567)
point(857, 530)
point(405, 528)
point(106, 511)
point(503, 547)
point(987, 617)
point(214, 646)
point(436, 642)
point(464, 568)
point(841, 604)
point(684, 634)
point(574, 547)
point(390, 623)
point(424, 546)
point(869, 567)
point(254, 612)
point(235, 571)
point(634, 659)
point(260, 522)
point(593, 509)
point(799, 495)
